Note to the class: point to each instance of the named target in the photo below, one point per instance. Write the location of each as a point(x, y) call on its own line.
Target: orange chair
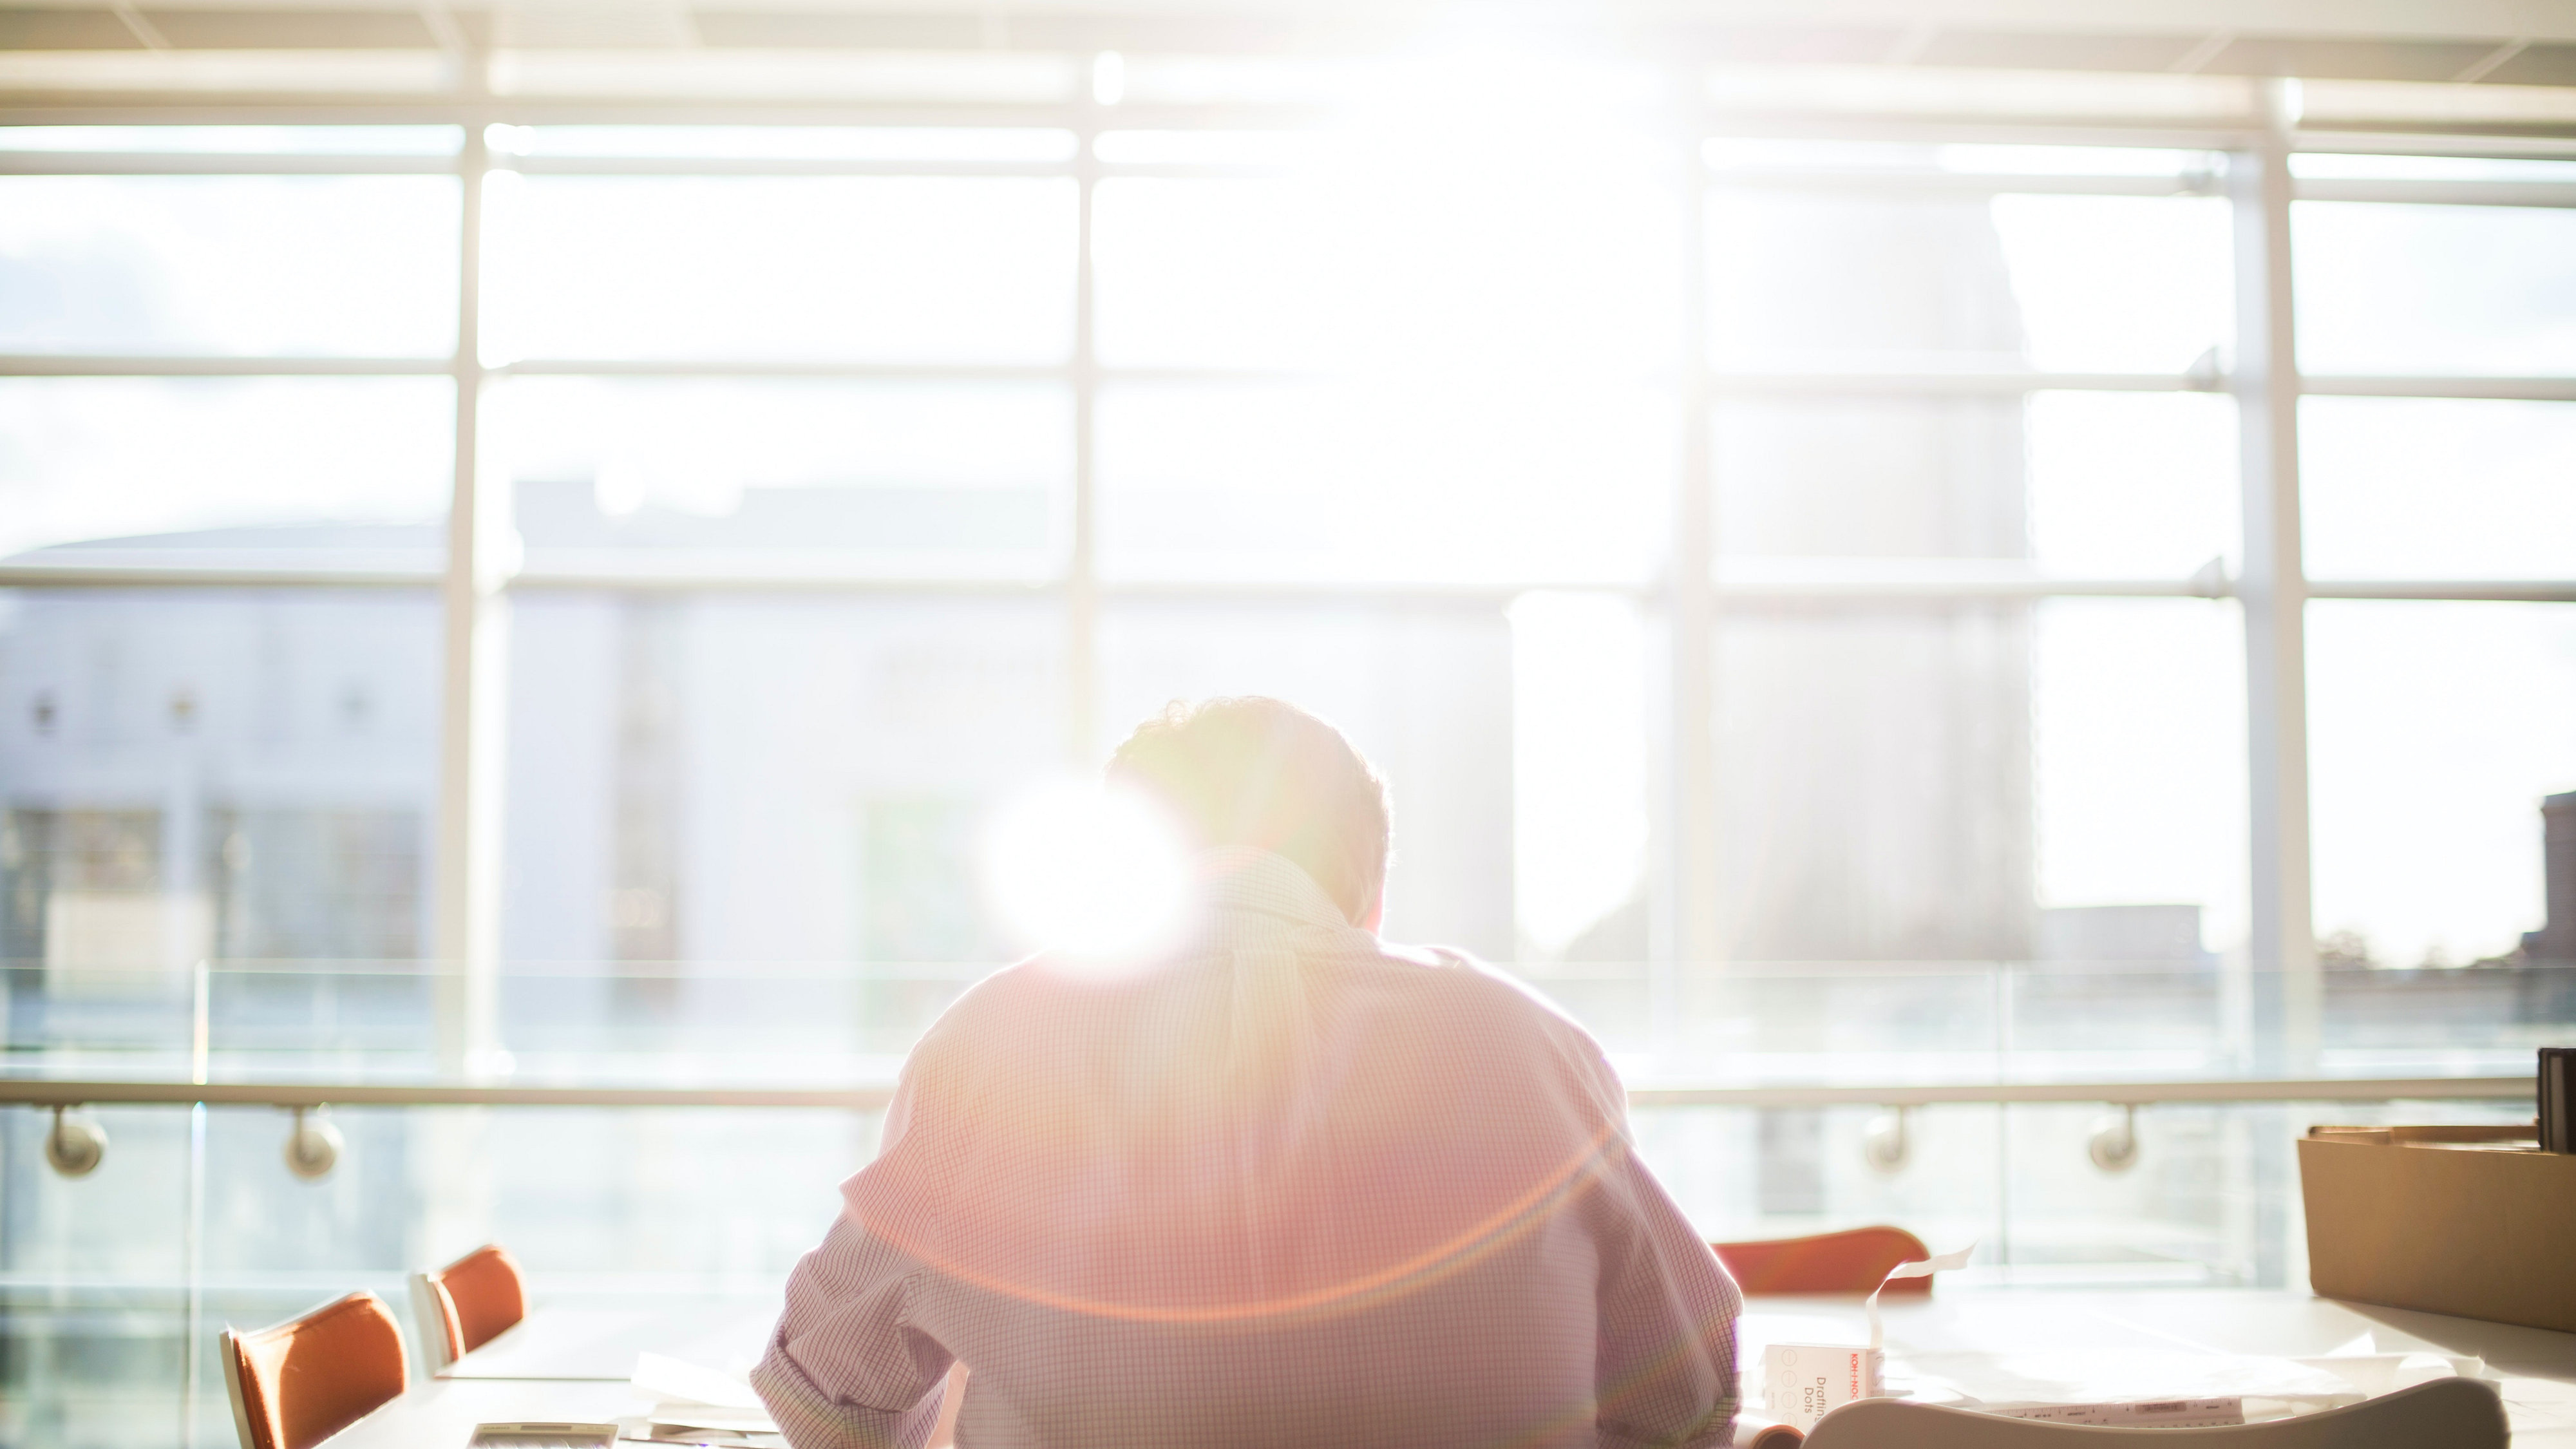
point(303, 1381)
point(467, 1304)
point(1852, 1261)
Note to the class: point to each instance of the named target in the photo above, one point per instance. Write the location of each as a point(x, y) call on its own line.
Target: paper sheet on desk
point(688, 1395)
point(701, 1417)
point(648, 1432)
point(2543, 1411)
point(1951, 1261)
point(2270, 1387)
point(673, 1381)
point(2361, 1364)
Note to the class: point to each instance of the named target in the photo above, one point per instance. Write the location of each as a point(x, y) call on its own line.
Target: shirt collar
point(1248, 878)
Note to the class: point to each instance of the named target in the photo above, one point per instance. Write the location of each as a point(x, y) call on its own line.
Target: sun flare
point(1097, 876)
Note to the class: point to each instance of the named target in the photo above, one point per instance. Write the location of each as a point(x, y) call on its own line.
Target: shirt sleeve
point(1665, 1366)
point(846, 1369)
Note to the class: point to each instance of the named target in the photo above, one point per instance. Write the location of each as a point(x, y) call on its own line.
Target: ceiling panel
point(1799, 45)
point(2537, 65)
point(65, 30)
point(2412, 60)
point(1999, 50)
point(2088, 50)
point(291, 29)
point(755, 30)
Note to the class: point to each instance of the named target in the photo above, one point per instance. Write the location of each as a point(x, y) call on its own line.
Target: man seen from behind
point(1280, 1184)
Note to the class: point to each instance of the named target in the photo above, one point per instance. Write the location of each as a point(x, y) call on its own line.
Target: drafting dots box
point(1803, 1382)
point(2473, 1221)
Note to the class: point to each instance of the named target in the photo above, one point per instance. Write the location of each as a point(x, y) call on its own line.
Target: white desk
point(569, 1363)
point(2538, 1367)
point(2211, 1320)
point(442, 1413)
point(601, 1343)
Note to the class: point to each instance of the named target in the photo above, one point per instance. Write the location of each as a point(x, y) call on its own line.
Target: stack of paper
point(2170, 1388)
point(694, 1405)
point(2162, 1414)
point(2138, 1388)
point(2262, 1387)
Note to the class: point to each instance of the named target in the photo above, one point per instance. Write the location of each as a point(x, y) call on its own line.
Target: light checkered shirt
point(1296, 1189)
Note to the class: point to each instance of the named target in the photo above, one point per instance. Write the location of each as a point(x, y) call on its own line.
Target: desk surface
point(576, 1342)
point(2538, 1367)
point(442, 1413)
point(2208, 1320)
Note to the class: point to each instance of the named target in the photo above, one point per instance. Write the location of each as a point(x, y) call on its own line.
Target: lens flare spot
point(1095, 875)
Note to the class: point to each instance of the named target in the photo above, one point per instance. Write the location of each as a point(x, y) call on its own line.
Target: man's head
point(1259, 772)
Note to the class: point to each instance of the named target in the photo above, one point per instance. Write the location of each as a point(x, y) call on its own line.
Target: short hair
point(1251, 771)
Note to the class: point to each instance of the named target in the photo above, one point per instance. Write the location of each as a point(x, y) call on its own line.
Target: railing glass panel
point(112, 1284)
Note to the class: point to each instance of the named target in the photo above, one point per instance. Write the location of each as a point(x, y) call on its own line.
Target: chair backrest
point(1853, 1261)
point(467, 1304)
point(2443, 1414)
point(299, 1383)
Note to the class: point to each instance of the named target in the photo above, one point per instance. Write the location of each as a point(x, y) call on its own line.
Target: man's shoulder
point(1476, 990)
point(1007, 994)
point(1440, 991)
point(1482, 1026)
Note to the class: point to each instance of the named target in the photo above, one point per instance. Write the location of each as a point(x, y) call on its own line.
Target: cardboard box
point(2473, 1221)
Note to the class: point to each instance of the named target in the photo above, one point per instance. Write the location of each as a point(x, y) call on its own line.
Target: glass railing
point(1768, 1099)
point(847, 1025)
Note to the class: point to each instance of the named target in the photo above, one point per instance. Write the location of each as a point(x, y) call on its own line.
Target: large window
point(901, 466)
point(274, 266)
point(859, 268)
point(1823, 609)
